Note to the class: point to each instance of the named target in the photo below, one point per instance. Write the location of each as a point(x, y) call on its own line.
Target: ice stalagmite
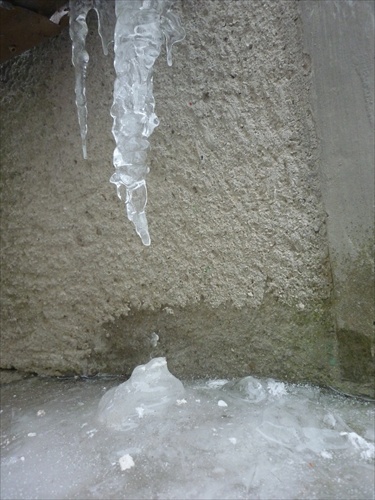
point(80, 57)
point(151, 391)
point(140, 28)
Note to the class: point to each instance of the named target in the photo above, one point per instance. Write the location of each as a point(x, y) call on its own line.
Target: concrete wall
point(238, 277)
point(339, 36)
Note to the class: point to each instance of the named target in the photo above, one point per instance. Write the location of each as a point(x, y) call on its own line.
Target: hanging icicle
point(140, 28)
point(80, 57)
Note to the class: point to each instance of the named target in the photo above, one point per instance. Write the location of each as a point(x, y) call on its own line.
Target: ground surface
point(250, 439)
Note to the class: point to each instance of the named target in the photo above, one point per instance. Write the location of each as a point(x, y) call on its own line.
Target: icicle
point(105, 10)
point(140, 26)
point(80, 57)
point(172, 29)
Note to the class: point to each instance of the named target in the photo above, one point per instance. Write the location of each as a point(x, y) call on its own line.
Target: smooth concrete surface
point(339, 36)
point(238, 278)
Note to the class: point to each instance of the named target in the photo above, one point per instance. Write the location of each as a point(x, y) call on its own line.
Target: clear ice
point(154, 437)
point(141, 26)
point(80, 57)
point(151, 389)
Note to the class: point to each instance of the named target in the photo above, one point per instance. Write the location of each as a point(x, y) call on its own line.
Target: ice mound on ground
point(151, 390)
point(254, 390)
point(248, 388)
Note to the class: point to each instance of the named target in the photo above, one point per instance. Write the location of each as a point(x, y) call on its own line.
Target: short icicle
point(139, 31)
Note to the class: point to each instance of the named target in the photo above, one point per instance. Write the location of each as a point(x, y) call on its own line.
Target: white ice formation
point(140, 28)
point(126, 462)
point(151, 390)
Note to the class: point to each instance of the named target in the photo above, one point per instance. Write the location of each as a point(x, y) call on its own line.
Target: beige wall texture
point(238, 279)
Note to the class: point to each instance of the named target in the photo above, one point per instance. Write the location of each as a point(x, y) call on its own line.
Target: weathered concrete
point(237, 279)
point(339, 36)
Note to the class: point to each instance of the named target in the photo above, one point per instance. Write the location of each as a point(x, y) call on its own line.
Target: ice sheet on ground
point(272, 440)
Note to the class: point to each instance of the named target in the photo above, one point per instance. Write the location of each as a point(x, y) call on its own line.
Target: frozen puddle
point(154, 438)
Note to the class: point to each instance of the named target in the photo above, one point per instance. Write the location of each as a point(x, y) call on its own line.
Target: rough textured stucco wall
point(237, 279)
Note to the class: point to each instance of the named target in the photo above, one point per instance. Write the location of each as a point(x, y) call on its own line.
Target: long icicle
point(140, 25)
point(80, 57)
